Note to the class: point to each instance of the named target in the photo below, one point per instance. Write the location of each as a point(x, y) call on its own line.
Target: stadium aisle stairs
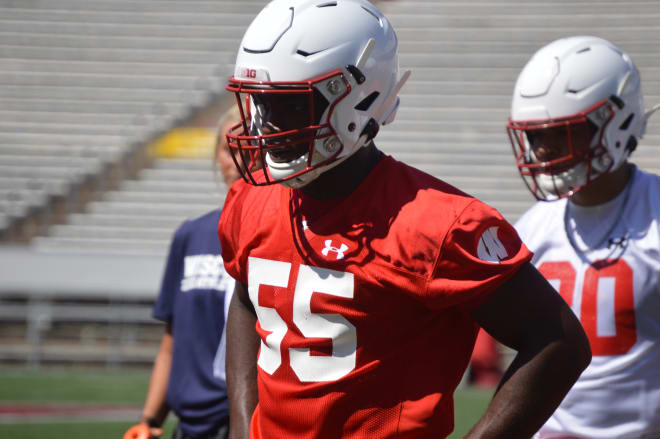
point(464, 59)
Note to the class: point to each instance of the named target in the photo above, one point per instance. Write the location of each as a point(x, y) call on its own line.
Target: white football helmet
point(337, 62)
point(575, 85)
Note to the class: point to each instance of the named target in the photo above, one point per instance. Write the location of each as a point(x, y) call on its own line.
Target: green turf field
point(125, 388)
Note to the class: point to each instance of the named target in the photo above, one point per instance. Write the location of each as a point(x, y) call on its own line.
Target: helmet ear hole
point(631, 145)
point(365, 103)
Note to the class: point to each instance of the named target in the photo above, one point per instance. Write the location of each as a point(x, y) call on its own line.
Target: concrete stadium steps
point(161, 82)
point(111, 232)
point(110, 55)
point(464, 59)
point(81, 245)
point(510, 20)
point(534, 8)
point(108, 153)
point(116, 42)
point(142, 215)
point(188, 17)
point(135, 221)
point(61, 128)
point(147, 197)
point(488, 88)
point(86, 164)
point(31, 170)
point(153, 6)
point(119, 29)
point(85, 74)
point(490, 60)
point(108, 92)
point(540, 34)
point(173, 210)
point(170, 68)
point(162, 186)
point(60, 117)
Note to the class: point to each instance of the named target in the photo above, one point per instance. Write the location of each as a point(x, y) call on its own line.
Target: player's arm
point(528, 315)
point(242, 348)
point(155, 406)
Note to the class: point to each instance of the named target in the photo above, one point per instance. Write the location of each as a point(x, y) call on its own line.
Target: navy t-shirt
point(195, 295)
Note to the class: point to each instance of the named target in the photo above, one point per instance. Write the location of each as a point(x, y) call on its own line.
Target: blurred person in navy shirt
point(188, 376)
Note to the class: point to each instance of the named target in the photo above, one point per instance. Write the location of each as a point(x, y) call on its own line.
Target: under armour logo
point(490, 248)
point(329, 248)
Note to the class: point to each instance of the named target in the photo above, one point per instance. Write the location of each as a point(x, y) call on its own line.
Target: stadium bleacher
point(86, 85)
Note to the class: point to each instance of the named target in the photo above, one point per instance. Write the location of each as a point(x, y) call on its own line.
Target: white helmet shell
point(293, 41)
point(568, 79)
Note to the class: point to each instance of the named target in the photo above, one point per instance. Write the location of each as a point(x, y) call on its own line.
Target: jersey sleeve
point(171, 282)
point(480, 252)
point(229, 228)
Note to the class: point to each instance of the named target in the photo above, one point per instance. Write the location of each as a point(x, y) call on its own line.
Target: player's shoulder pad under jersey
point(484, 233)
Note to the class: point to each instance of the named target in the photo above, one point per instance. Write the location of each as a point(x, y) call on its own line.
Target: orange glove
point(142, 431)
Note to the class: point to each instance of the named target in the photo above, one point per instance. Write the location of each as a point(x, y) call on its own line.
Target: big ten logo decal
point(607, 304)
point(248, 73)
point(310, 281)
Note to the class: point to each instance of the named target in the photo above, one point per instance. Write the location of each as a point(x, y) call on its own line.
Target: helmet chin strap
point(308, 177)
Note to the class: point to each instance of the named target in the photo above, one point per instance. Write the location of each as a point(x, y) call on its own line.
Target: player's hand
point(142, 431)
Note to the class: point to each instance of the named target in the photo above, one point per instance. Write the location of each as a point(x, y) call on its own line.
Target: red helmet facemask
point(283, 120)
point(556, 157)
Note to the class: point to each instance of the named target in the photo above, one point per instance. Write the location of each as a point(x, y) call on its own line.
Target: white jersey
point(614, 290)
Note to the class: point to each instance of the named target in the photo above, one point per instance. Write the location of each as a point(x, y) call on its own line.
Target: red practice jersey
point(363, 303)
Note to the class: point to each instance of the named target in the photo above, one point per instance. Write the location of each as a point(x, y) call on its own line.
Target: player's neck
point(342, 180)
point(605, 188)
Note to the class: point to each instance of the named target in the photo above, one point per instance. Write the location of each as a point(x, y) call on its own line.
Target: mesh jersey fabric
point(363, 303)
point(615, 292)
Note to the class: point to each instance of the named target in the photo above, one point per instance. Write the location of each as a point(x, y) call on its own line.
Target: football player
point(361, 281)
point(576, 115)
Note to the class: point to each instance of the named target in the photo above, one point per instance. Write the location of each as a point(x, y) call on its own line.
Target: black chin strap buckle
point(370, 129)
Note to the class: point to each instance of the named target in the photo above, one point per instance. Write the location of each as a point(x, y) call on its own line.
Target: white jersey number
point(310, 281)
point(607, 309)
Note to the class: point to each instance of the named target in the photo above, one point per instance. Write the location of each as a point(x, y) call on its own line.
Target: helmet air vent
point(306, 54)
point(626, 123)
point(326, 4)
point(366, 102)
